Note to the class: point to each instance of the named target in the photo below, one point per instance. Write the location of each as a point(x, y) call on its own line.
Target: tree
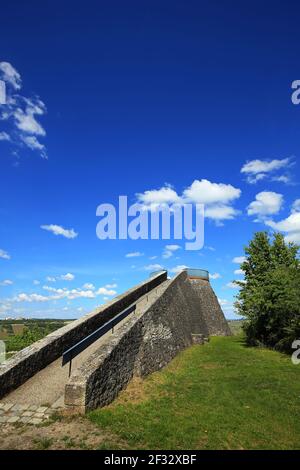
point(269, 298)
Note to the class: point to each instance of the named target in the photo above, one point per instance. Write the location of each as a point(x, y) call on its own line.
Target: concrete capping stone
point(16, 370)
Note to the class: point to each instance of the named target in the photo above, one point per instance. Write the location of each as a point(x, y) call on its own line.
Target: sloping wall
point(144, 344)
point(210, 308)
point(29, 361)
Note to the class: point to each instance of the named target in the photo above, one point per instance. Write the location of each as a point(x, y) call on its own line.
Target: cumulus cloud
point(153, 267)
point(4, 136)
point(62, 277)
point(88, 286)
point(233, 285)
point(4, 254)
point(10, 75)
point(59, 230)
point(67, 277)
point(266, 203)
point(134, 254)
point(296, 206)
point(6, 282)
point(239, 259)
point(164, 195)
point(290, 226)
point(257, 170)
point(21, 114)
point(111, 286)
point(88, 292)
point(178, 269)
point(239, 272)
point(170, 250)
point(215, 276)
point(217, 198)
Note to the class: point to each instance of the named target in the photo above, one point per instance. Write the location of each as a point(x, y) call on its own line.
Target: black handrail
point(72, 352)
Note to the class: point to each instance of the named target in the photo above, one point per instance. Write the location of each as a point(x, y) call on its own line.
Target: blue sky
point(120, 98)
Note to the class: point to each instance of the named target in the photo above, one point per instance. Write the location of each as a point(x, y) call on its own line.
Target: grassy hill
point(219, 396)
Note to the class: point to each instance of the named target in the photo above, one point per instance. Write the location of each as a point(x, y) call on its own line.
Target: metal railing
point(79, 347)
point(197, 273)
point(72, 352)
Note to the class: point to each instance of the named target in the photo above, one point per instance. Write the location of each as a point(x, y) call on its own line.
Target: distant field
point(222, 395)
point(236, 326)
point(18, 334)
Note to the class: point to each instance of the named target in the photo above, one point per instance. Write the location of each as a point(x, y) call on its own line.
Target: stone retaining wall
point(210, 308)
point(144, 344)
point(32, 359)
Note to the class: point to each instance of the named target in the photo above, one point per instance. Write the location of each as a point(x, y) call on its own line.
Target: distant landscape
point(18, 334)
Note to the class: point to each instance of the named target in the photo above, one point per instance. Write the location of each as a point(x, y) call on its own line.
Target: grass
point(219, 396)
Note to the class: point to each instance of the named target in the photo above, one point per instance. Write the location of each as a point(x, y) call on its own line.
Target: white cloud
point(153, 257)
point(239, 272)
point(172, 247)
point(266, 203)
point(164, 195)
point(34, 144)
point(10, 75)
point(111, 286)
point(206, 192)
point(4, 254)
point(6, 282)
point(223, 302)
point(4, 136)
point(88, 286)
point(239, 259)
point(178, 269)
point(296, 206)
point(290, 226)
point(87, 292)
point(22, 113)
point(51, 279)
point(170, 250)
point(105, 291)
point(232, 285)
point(210, 248)
point(30, 298)
point(215, 276)
point(217, 198)
point(153, 267)
point(134, 254)
point(58, 230)
point(36, 282)
point(221, 212)
point(257, 170)
point(67, 277)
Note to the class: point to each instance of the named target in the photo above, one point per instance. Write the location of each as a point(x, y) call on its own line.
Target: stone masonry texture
point(32, 359)
point(187, 311)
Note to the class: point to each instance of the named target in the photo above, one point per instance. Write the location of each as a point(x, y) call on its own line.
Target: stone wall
point(144, 344)
point(211, 311)
point(30, 360)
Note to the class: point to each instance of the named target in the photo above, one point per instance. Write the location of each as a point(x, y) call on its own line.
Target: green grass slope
point(219, 396)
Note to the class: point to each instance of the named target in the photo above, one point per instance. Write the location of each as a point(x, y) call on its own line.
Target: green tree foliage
point(269, 297)
point(29, 336)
